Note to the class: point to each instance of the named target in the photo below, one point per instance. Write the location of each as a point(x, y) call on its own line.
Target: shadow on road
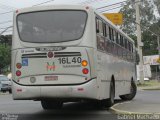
point(71, 111)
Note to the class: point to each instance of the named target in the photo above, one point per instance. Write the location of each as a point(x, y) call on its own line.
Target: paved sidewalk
point(145, 102)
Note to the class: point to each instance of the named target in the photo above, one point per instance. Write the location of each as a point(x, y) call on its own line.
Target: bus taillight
point(18, 73)
point(85, 71)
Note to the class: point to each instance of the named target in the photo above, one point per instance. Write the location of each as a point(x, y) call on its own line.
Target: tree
point(157, 4)
point(128, 11)
point(5, 56)
point(148, 20)
point(6, 39)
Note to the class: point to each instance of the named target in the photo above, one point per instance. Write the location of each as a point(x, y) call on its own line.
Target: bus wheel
point(133, 91)
point(110, 101)
point(51, 104)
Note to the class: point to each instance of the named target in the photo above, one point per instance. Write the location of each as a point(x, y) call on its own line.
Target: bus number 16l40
point(66, 60)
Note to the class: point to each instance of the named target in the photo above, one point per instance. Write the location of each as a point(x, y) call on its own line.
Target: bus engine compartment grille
point(56, 54)
point(66, 54)
point(35, 55)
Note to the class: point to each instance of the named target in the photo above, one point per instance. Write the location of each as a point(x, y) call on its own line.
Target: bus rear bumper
point(87, 90)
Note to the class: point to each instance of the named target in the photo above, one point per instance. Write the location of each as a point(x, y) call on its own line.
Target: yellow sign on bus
point(115, 18)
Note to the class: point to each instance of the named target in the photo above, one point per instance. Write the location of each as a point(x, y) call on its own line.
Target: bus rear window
point(51, 26)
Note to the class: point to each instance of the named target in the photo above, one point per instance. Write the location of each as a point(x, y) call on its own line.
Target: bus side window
point(100, 27)
point(121, 40)
point(125, 43)
point(131, 47)
point(104, 30)
point(132, 54)
point(97, 25)
point(107, 31)
point(117, 38)
point(110, 33)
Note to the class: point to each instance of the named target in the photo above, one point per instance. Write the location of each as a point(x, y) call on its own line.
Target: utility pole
point(158, 41)
point(140, 44)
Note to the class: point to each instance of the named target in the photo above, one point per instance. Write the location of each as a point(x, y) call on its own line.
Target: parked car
point(5, 84)
point(145, 79)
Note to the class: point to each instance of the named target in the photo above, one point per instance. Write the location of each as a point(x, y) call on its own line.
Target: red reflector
point(18, 73)
point(19, 90)
point(50, 54)
point(18, 65)
point(17, 11)
point(85, 71)
point(87, 7)
point(80, 89)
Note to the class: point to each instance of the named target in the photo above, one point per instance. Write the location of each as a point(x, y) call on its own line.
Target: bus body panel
point(108, 66)
point(63, 64)
point(84, 91)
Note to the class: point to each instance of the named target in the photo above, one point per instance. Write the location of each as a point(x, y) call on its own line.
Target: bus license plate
point(51, 78)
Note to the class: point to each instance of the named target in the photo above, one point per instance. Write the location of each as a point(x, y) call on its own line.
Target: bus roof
point(54, 7)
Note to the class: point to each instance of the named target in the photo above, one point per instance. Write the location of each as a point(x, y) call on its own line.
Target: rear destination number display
point(66, 60)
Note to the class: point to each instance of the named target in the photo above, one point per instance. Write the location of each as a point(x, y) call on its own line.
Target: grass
point(150, 85)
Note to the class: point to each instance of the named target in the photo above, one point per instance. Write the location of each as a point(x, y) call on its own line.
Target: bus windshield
point(51, 26)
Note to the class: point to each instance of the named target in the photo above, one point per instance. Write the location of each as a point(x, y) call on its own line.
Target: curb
point(117, 111)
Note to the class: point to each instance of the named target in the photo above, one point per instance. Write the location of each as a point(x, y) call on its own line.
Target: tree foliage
point(5, 56)
point(150, 40)
point(129, 15)
point(5, 51)
point(157, 4)
point(148, 22)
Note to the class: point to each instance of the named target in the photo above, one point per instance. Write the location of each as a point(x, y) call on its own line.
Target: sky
point(11, 5)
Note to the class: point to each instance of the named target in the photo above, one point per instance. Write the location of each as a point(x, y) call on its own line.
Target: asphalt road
point(32, 110)
point(145, 102)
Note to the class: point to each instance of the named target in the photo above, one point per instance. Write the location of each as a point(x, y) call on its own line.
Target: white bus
point(70, 53)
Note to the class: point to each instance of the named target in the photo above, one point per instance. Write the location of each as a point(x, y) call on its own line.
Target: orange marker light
point(84, 63)
point(18, 65)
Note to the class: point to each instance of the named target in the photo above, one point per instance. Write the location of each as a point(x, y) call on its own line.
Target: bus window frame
point(120, 47)
point(17, 28)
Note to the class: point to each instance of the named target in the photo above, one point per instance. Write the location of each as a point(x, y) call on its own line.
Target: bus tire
point(133, 91)
point(46, 105)
point(110, 101)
